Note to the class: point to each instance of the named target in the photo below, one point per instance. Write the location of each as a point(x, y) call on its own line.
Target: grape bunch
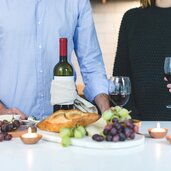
point(117, 131)
point(67, 133)
point(117, 112)
point(5, 127)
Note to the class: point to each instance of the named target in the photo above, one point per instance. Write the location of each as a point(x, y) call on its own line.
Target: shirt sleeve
point(88, 53)
point(122, 64)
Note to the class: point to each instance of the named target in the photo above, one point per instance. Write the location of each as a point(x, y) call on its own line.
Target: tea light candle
point(157, 132)
point(29, 134)
point(30, 138)
point(158, 129)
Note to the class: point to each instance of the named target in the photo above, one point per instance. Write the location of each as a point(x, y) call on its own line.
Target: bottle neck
point(63, 49)
point(63, 58)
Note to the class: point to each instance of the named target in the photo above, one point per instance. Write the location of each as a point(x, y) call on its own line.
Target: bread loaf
point(67, 119)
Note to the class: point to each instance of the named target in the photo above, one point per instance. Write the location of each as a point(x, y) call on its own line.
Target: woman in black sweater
point(144, 42)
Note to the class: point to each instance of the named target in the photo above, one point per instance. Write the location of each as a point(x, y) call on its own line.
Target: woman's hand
point(13, 110)
point(168, 85)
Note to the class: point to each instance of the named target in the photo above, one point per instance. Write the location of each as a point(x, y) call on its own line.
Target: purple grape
point(4, 128)
point(4, 133)
point(127, 132)
point(109, 138)
point(113, 131)
point(121, 129)
point(129, 123)
point(105, 132)
point(16, 123)
point(115, 120)
point(10, 127)
point(122, 137)
point(108, 127)
point(8, 137)
point(117, 125)
point(1, 137)
point(98, 137)
point(115, 138)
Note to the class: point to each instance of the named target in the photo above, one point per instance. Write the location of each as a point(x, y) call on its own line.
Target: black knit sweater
point(144, 42)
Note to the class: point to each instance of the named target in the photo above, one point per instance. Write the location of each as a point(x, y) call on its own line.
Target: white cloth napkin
point(63, 91)
point(86, 107)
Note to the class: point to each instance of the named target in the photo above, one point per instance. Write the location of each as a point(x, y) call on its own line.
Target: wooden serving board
point(22, 130)
point(87, 142)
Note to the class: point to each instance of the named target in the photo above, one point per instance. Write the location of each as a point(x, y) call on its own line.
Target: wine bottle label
point(63, 90)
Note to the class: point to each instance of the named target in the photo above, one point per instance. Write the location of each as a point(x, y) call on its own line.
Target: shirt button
point(41, 95)
point(41, 71)
point(40, 46)
point(39, 22)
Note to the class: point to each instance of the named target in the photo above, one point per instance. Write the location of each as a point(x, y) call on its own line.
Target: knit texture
point(144, 42)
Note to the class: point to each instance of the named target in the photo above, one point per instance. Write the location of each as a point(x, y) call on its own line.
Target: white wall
point(107, 19)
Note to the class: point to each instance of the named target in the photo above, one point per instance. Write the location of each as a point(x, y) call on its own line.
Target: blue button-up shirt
point(29, 49)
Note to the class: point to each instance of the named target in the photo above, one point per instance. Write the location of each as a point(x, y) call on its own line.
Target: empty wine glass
point(167, 71)
point(119, 90)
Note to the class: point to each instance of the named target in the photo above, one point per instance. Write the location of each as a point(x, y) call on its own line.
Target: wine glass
point(119, 90)
point(167, 71)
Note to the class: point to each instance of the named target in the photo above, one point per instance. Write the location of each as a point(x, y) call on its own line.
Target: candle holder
point(159, 134)
point(30, 138)
point(168, 138)
point(137, 123)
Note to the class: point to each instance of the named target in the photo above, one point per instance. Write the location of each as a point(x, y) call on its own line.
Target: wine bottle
point(63, 70)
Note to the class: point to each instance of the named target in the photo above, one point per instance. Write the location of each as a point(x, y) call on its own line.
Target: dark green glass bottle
point(63, 69)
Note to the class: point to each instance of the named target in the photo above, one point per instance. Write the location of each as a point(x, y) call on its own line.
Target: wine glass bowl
point(119, 90)
point(167, 72)
point(167, 68)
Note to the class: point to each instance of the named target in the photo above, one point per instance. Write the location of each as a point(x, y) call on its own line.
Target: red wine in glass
point(119, 90)
point(167, 71)
point(119, 99)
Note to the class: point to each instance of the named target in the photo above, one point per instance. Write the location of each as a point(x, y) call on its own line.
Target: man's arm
point(16, 111)
point(90, 58)
point(102, 101)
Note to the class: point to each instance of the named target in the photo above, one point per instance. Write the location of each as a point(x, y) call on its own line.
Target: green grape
point(65, 132)
point(123, 113)
point(72, 132)
point(107, 115)
point(128, 117)
point(82, 129)
point(78, 133)
point(117, 108)
point(115, 116)
point(66, 141)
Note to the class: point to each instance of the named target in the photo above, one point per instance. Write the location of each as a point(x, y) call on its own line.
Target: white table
point(154, 155)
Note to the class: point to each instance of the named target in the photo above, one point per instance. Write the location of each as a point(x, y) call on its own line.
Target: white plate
point(87, 142)
point(9, 117)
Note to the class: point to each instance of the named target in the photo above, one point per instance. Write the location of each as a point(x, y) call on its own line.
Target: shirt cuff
point(95, 87)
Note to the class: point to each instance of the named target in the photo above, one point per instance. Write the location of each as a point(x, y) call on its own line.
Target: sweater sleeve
point(122, 65)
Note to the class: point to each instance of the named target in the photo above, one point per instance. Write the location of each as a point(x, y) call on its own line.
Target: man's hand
point(102, 101)
point(14, 110)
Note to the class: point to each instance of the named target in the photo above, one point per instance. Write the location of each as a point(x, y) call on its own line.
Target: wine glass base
point(168, 106)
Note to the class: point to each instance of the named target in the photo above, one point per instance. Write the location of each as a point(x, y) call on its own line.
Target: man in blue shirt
point(29, 41)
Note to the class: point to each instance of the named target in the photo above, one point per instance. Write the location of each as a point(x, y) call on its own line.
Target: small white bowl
point(9, 117)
